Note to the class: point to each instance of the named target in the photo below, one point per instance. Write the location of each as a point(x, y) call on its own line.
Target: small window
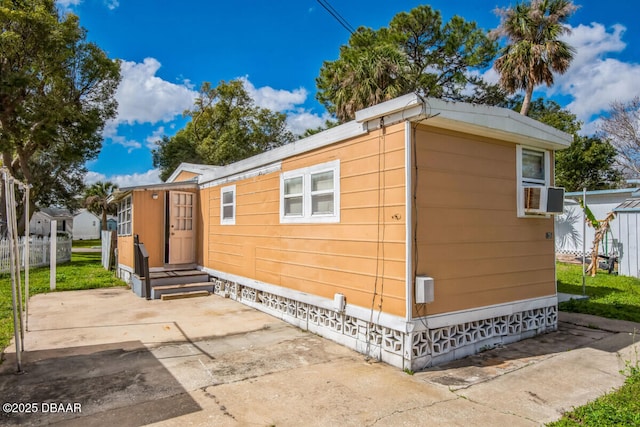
point(124, 217)
point(533, 170)
point(228, 205)
point(322, 193)
point(311, 194)
point(182, 210)
point(533, 167)
point(293, 196)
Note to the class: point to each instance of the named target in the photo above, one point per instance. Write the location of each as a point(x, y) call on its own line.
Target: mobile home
point(418, 233)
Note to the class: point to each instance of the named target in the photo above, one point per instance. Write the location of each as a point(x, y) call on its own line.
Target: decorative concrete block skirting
point(414, 345)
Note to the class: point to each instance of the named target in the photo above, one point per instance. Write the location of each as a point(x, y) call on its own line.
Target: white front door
point(182, 227)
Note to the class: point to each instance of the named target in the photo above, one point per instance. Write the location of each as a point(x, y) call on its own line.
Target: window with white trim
point(124, 217)
point(533, 166)
point(311, 194)
point(228, 205)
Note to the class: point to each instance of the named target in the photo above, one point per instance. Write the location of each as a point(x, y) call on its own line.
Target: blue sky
point(168, 49)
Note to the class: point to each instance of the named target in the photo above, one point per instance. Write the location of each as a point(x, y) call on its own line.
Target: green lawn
point(83, 272)
point(87, 243)
point(618, 408)
point(615, 297)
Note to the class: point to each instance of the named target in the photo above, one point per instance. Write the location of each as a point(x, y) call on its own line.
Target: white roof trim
point(388, 108)
point(327, 137)
point(495, 122)
point(482, 120)
point(261, 170)
point(191, 167)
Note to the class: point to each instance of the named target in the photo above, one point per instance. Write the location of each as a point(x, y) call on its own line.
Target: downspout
point(408, 215)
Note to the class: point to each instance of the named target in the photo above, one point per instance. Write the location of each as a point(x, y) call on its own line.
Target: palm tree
point(375, 77)
point(96, 200)
point(533, 51)
point(371, 72)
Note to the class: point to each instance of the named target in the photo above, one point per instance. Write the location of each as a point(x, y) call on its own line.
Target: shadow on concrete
point(121, 384)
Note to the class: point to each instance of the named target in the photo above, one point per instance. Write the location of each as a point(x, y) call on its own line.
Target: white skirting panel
point(413, 345)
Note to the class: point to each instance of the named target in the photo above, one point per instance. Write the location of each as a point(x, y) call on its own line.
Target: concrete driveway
point(106, 357)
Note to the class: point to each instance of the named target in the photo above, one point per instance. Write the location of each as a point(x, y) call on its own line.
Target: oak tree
point(225, 126)
point(56, 93)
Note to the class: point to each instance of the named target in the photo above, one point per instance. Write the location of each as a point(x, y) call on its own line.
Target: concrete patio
point(211, 361)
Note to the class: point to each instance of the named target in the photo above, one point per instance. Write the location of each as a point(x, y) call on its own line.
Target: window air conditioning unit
point(543, 200)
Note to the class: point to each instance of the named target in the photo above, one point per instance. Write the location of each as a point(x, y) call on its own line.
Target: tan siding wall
point(469, 237)
point(148, 223)
point(185, 176)
point(125, 251)
point(323, 259)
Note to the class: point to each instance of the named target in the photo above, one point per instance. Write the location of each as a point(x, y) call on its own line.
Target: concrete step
point(180, 295)
point(158, 291)
point(159, 278)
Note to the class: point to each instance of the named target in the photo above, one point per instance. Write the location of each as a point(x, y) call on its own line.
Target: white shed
point(628, 218)
point(86, 226)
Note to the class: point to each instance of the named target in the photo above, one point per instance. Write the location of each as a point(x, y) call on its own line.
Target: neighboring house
point(112, 223)
point(86, 226)
point(569, 226)
point(416, 233)
point(40, 224)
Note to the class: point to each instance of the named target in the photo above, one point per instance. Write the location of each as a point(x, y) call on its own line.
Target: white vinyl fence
point(38, 252)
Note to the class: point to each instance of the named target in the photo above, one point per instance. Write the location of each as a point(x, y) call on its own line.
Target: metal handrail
point(142, 265)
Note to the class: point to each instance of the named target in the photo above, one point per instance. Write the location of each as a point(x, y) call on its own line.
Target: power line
point(325, 4)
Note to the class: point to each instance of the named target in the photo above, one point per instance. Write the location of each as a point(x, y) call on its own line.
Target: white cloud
point(145, 98)
point(127, 143)
point(289, 102)
point(592, 41)
point(155, 136)
point(595, 78)
point(110, 132)
point(490, 76)
point(152, 176)
point(275, 99)
point(299, 121)
point(66, 4)
point(110, 129)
